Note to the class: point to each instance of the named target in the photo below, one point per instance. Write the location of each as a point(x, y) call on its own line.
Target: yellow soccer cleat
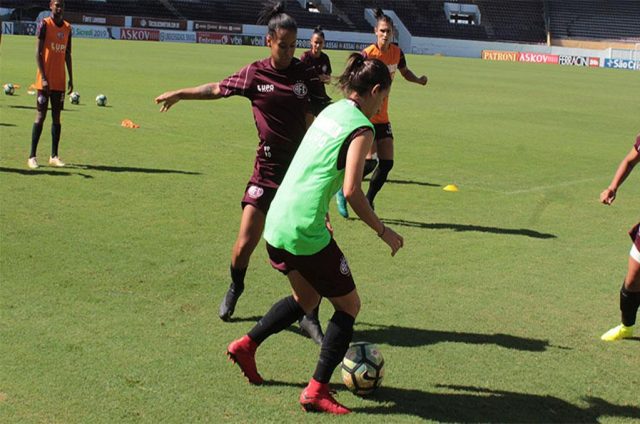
point(618, 333)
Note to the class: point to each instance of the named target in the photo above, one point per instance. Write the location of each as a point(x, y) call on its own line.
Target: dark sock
point(36, 131)
point(378, 179)
point(56, 130)
point(282, 314)
point(237, 279)
point(629, 303)
point(369, 166)
point(334, 345)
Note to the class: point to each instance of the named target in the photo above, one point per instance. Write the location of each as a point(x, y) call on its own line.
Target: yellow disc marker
point(450, 187)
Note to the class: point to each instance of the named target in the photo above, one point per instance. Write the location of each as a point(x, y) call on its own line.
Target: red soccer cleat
point(316, 397)
point(243, 353)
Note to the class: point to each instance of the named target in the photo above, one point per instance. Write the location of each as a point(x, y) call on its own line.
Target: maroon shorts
point(258, 196)
point(383, 131)
point(56, 97)
point(635, 235)
point(327, 271)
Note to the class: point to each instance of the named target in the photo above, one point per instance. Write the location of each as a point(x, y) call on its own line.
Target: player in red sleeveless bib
point(282, 91)
point(392, 56)
point(53, 53)
point(630, 291)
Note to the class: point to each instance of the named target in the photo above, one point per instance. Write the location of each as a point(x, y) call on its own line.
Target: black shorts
point(383, 131)
point(327, 271)
point(56, 98)
point(260, 197)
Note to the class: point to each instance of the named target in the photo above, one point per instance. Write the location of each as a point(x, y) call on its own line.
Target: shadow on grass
point(3, 124)
point(411, 182)
point(254, 319)
point(111, 168)
point(480, 405)
point(414, 337)
point(40, 171)
point(34, 108)
point(465, 227)
point(492, 406)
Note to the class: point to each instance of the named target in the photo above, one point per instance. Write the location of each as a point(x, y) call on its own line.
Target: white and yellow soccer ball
point(74, 98)
point(363, 368)
point(9, 89)
point(101, 100)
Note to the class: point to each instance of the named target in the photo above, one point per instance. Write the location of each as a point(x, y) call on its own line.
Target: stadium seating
point(501, 20)
point(593, 19)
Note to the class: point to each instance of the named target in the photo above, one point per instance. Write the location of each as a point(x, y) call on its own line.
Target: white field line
point(541, 188)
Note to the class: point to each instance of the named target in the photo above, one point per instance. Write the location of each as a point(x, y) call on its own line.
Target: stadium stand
point(595, 19)
point(236, 11)
point(502, 20)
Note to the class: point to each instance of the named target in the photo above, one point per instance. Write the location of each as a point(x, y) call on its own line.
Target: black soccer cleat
point(228, 305)
point(310, 326)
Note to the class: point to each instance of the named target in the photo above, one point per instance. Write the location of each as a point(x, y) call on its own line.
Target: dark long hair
point(362, 74)
point(318, 30)
point(381, 17)
point(274, 18)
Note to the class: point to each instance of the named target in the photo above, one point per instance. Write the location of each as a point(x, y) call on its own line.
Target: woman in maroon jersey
point(630, 291)
point(318, 59)
point(282, 90)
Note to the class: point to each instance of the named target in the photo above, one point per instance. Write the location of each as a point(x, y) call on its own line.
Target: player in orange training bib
point(53, 53)
point(392, 56)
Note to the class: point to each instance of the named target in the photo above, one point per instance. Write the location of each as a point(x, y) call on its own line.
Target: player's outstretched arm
point(624, 169)
point(355, 196)
point(210, 91)
point(411, 77)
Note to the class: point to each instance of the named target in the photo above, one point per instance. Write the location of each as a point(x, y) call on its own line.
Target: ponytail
point(381, 17)
point(274, 18)
point(362, 74)
point(318, 30)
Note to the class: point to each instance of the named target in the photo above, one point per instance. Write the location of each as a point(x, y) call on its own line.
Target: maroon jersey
point(322, 65)
point(279, 100)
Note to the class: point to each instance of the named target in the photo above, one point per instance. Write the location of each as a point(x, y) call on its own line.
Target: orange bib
point(54, 53)
point(391, 58)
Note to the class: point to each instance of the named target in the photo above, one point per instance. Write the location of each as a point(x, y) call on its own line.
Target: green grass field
point(112, 268)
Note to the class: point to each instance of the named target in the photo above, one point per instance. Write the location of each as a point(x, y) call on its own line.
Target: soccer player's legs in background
point(629, 300)
point(57, 104)
point(42, 104)
point(384, 139)
point(370, 163)
point(630, 291)
point(249, 234)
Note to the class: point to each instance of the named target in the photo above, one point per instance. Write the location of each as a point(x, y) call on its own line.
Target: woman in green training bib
point(332, 154)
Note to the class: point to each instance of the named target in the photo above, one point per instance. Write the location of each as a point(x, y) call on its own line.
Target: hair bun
point(278, 8)
point(271, 9)
point(378, 12)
